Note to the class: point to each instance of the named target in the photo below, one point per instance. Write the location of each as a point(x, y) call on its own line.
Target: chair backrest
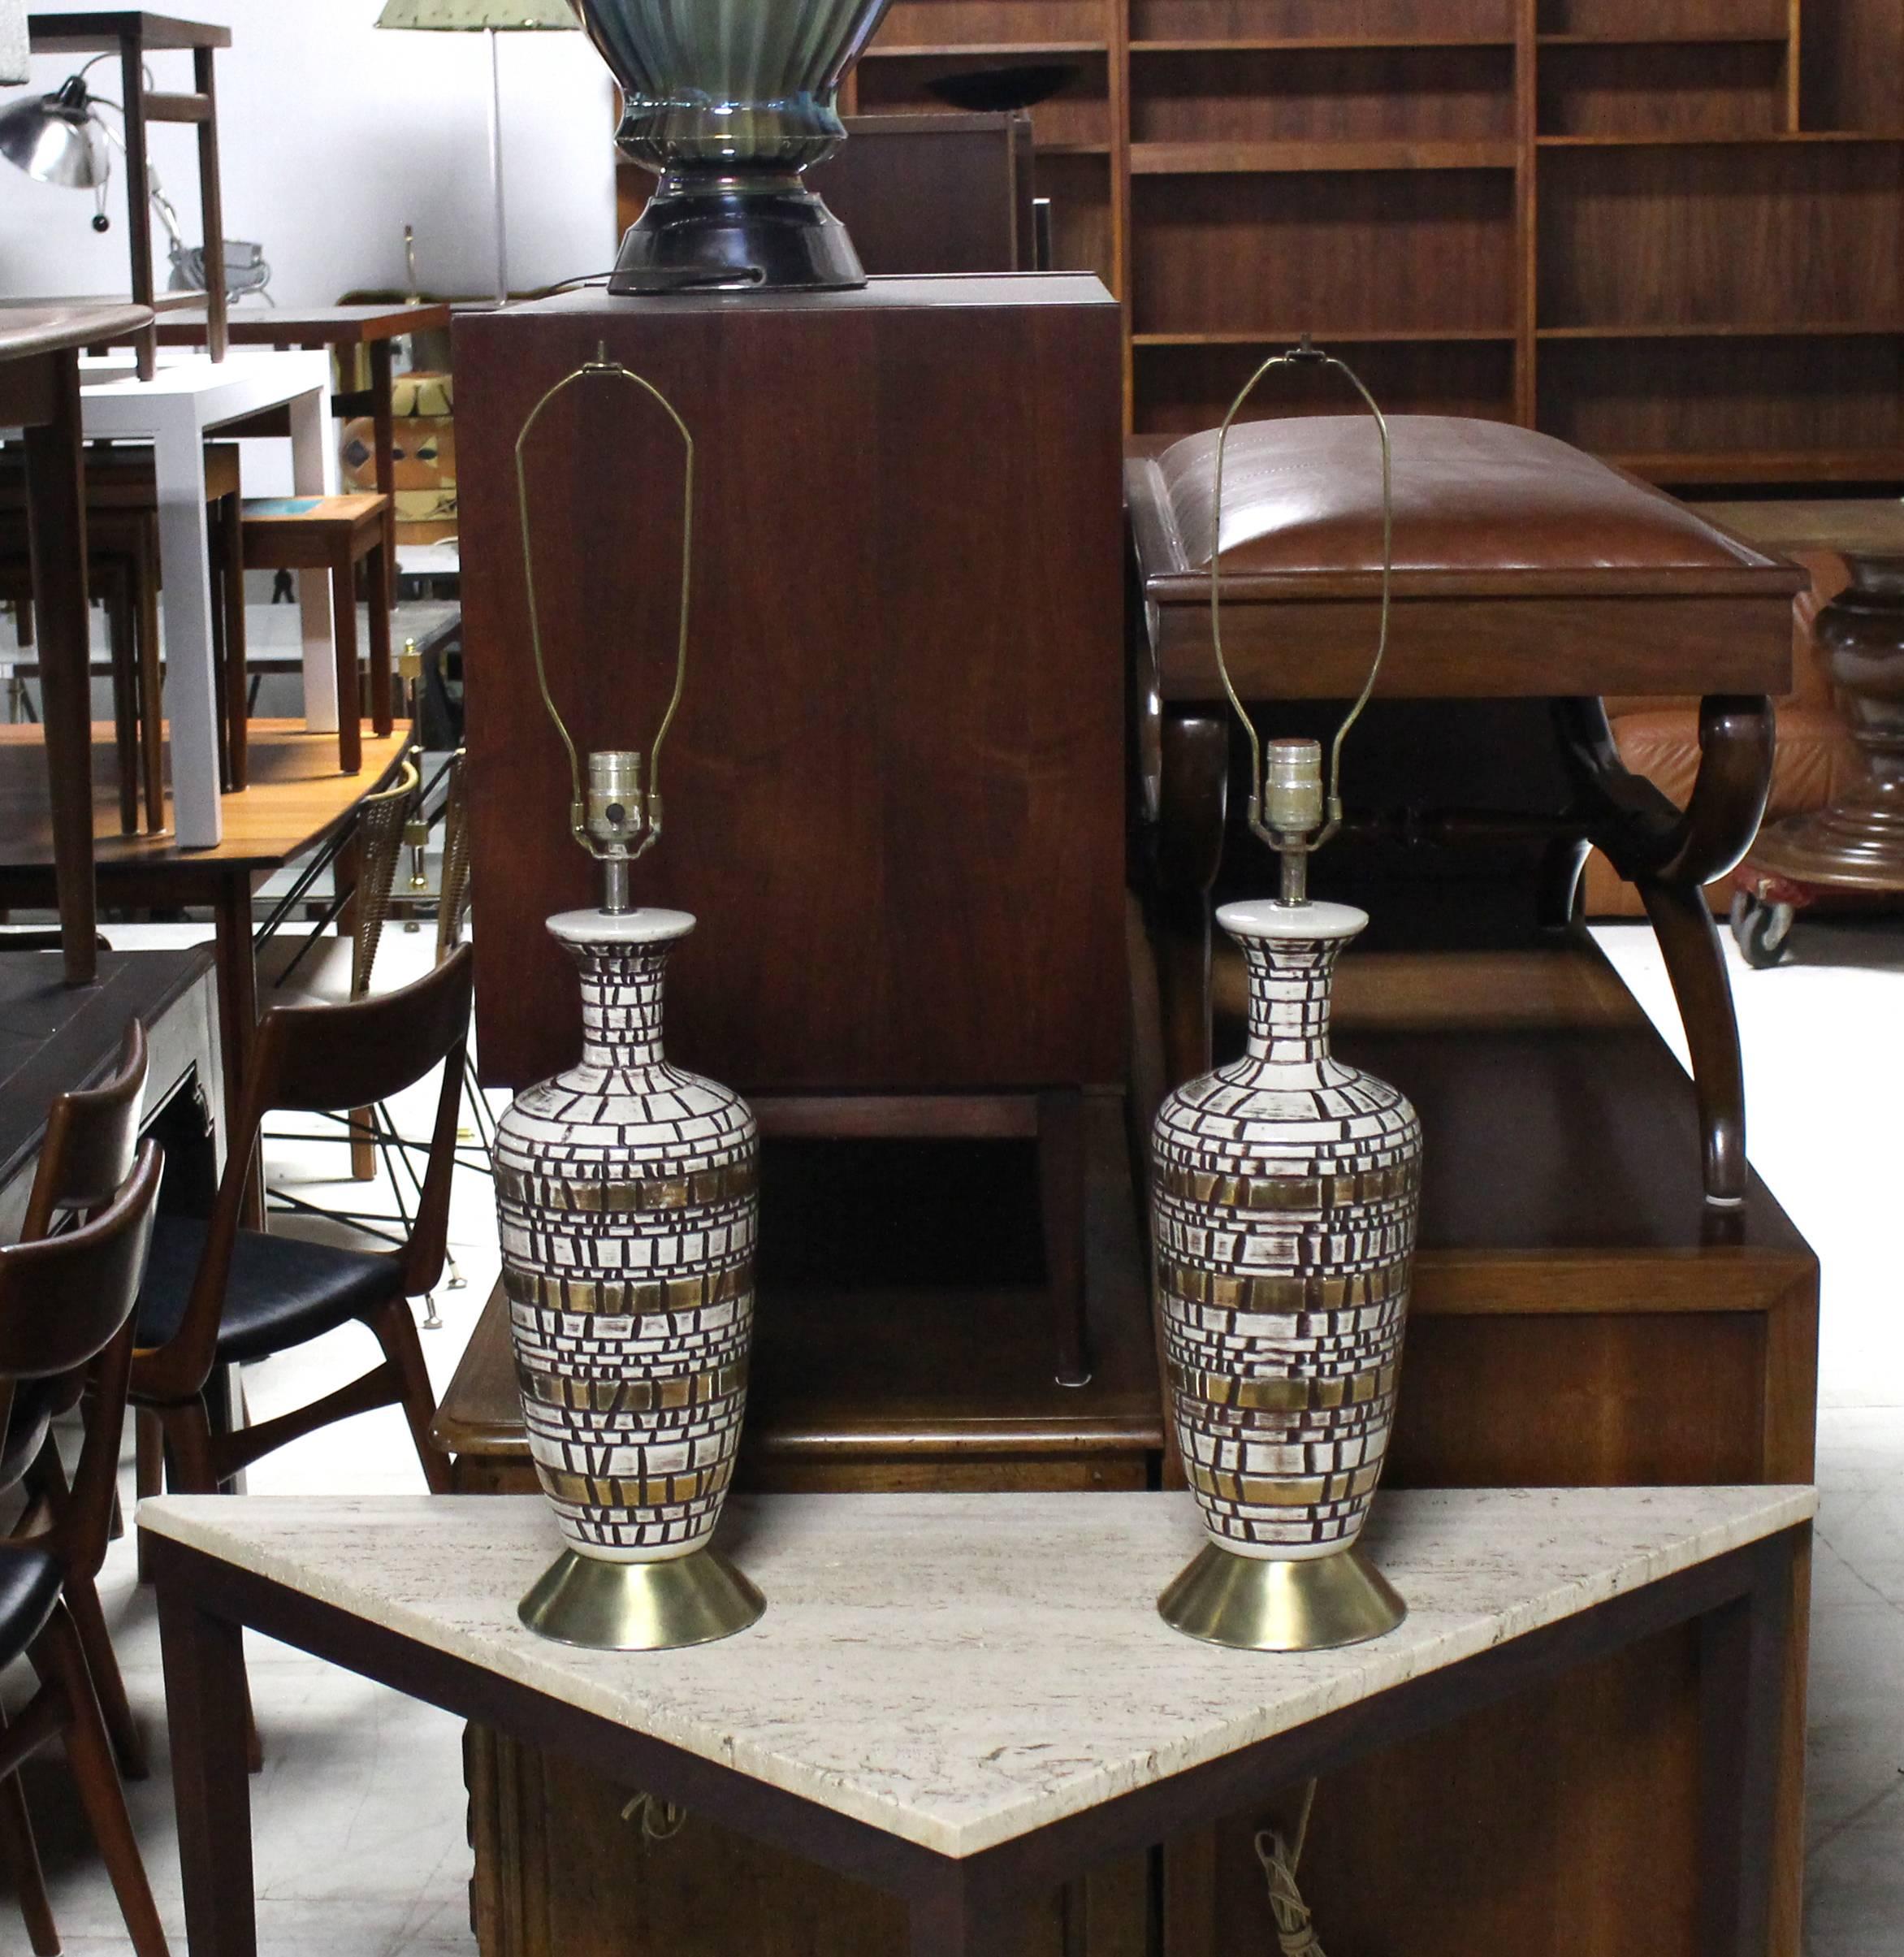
point(324, 1058)
point(453, 901)
point(380, 821)
point(66, 1314)
point(92, 1136)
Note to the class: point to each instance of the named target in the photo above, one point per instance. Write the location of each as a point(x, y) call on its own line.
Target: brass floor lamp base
point(1256, 1604)
point(640, 1607)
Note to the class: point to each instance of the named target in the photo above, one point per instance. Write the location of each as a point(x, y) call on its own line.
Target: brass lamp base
point(640, 1607)
point(1254, 1604)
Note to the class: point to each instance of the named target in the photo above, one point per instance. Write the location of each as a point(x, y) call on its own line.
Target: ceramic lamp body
point(1284, 1196)
point(626, 1189)
point(729, 101)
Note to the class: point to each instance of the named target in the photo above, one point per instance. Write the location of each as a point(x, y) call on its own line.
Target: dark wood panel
point(1794, 394)
point(1324, 95)
point(1389, 249)
point(1695, 90)
point(1851, 64)
point(1731, 235)
point(1083, 237)
point(894, 790)
point(1079, 112)
point(991, 22)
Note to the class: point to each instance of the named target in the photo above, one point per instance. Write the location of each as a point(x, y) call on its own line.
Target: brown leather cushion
point(1814, 760)
point(1304, 493)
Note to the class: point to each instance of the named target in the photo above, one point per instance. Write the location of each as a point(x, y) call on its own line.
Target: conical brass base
point(1256, 1603)
point(640, 1607)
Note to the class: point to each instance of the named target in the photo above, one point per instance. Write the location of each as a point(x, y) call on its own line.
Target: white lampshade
point(13, 40)
point(471, 16)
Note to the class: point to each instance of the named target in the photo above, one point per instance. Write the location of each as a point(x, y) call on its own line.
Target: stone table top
point(961, 1670)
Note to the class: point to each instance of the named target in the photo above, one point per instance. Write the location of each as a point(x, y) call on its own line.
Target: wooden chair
point(334, 534)
point(92, 1138)
point(66, 1307)
point(218, 1296)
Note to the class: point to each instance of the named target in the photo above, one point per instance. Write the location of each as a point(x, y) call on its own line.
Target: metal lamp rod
point(495, 167)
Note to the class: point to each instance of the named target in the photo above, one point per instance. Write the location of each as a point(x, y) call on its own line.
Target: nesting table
point(964, 1701)
point(185, 401)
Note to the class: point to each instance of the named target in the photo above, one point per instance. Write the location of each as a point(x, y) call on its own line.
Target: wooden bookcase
point(1666, 230)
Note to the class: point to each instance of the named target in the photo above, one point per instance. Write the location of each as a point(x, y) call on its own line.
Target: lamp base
point(737, 232)
point(1255, 1603)
point(640, 1607)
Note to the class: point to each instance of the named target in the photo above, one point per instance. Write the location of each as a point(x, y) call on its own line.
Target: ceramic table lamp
point(626, 1191)
point(1284, 1189)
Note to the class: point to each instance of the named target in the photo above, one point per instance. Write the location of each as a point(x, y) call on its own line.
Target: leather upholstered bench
point(1524, 569)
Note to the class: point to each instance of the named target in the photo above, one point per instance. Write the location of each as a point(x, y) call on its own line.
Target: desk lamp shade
point(13, 40)
point(474, 17)
point(56, 138)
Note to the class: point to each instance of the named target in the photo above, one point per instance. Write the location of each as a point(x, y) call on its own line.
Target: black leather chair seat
point(29, 1587)
point(281, 1292)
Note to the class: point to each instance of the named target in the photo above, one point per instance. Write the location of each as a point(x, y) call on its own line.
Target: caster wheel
point(1760, 930)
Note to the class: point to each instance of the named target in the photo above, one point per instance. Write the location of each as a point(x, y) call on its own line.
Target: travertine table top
point(960, 1670)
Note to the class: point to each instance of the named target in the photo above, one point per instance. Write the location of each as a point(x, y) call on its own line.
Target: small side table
point(183, 402)
point(966, 1702)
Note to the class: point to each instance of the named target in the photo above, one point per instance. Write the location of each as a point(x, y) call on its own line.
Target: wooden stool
point(333, 533)
point(122, 516)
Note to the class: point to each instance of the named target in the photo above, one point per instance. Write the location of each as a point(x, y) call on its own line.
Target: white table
point(965, 1699)
point(189, 399)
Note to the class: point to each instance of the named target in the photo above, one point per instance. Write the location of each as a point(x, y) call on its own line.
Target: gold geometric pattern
point(617, 1298)
point(733, 1180)
point(1284, 1395)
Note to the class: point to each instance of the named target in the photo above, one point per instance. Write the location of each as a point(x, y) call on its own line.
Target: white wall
point(334, 136)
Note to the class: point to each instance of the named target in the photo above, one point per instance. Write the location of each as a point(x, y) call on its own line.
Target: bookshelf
point(1666, 230)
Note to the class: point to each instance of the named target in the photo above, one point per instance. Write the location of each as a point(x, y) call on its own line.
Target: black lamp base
point(735, 233)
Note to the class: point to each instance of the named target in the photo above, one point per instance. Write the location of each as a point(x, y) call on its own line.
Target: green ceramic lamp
point(492, 18)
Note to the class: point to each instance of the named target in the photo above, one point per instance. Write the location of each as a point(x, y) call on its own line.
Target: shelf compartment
point(1780, 330)
point(1312, 44)
point(1005, 27)
point(968, 52)
point(1278, 23)
point(1182, 390)
point(1729, 235)
point(1782, 138)
point(1077, 117)
point(1651, 20)
point(1741, 397)
point(1325, 338)
point(1400, 252)
point(1430, 95)
point(1839, 466)
point(1726, 89)
point(1328, 158)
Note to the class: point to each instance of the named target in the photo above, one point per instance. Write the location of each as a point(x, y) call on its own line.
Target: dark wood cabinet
point(894, 791)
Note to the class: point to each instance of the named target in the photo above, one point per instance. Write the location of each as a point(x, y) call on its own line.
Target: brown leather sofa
point(1814, 761)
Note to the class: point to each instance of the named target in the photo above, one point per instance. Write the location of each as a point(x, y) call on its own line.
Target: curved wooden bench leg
point(1669, 855)
point(1695, 962)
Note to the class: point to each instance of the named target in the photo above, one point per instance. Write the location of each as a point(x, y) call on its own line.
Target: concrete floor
point(360, 1814)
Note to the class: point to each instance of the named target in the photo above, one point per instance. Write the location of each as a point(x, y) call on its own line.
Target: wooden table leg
point(56, 503)
point(237, 972)
point(1060, 1188)
point(1193, 801)
point(383, 427)
point(206, 1701)
point(1742, 1691)
point(378, 579)
point(350, 721)
point(151, 677)
point(237, 649)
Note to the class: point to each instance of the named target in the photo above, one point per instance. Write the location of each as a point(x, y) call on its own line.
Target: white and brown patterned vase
point(1284, 1190)
point(627, 1193)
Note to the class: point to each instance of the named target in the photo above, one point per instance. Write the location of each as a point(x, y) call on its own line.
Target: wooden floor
point(296, 796)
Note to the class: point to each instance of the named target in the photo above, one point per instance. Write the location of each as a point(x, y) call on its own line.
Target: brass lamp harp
point(1287, 809)
point(613, 817)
